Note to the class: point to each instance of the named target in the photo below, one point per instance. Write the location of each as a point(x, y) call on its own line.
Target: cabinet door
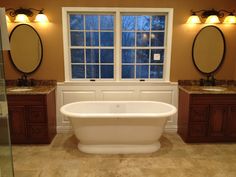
point(17, 124)
point(38, 134)
point(218, 116)
point(199, 113)
point(37, 114)
point(231, 122)
point(198, 129)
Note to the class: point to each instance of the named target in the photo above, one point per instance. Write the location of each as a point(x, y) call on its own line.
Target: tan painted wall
point(181, 63)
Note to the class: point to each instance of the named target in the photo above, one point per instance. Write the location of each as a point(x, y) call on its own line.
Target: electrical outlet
point(157, 57)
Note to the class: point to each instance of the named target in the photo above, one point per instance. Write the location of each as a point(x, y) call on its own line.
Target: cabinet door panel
point(37, 114)
point(198, 130)
point(218, 115)
point(37, 132)
point(199, 113)
point(17, 123)
point(231, 122)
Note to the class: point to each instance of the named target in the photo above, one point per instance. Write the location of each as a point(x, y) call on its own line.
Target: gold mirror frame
point(208, 49)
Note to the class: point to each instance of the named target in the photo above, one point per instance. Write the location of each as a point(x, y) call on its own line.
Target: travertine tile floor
point(175, 159)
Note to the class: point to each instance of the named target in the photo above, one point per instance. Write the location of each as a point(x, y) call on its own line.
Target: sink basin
point(214, 89)
point(20, 89)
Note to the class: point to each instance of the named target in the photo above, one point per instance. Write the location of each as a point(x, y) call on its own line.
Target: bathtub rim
point(117, 115)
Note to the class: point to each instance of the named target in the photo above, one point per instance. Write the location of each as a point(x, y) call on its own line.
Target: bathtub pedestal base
point(119, 149)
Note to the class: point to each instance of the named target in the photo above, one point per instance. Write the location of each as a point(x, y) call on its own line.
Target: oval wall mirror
point(26, 48)
point(208, 49)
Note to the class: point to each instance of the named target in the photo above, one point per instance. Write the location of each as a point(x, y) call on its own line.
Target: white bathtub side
point(118, 136)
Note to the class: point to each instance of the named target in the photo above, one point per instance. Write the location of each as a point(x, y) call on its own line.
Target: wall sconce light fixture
point(21, 15)
point(212, 16)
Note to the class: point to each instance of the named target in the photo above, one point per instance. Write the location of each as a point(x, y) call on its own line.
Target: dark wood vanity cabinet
point(207, 117)
point(32, 117)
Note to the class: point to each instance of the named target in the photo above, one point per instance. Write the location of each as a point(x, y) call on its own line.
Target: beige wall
point(181, 63)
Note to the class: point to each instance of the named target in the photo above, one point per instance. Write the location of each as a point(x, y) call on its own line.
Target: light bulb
point(193, 19)
point(21, 18)
point(230, 19)
point(212, 19)
point(41, 18)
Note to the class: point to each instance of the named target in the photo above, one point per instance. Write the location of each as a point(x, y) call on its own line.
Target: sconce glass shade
point(230, 19)
point(8, 19)
point(212, 19)
point(41, 18)
point(21, 18)
point(193, 19)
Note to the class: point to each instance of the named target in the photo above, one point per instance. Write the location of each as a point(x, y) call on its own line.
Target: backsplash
point(217, 82)
point(36, 82)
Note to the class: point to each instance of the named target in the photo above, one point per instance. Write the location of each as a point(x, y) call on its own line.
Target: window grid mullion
point(150, 41)
point(143, 47)
point(135, 42)
point(85, 55)
point(99, 50)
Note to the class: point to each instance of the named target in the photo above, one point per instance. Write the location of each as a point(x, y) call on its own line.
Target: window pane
point(128, 23)
point(128, 39)
point(142, 71)
point(91, 22)
point(92, 45)
point(77, 55)
point(142, 56)
point(128, 56)
point(92, 55)
point(158, 22)
point(92, 71)
point(107, 38)
point(156, 71)
point(107, 71)
point(77, 38)
point(107, 55)
point(128, 71)
point(142, 39)
point(78, 71)
point(143, 23)
point(157, 39)
point(106, 22)
point(161, 55)
point(76, 22)
point(92, 39)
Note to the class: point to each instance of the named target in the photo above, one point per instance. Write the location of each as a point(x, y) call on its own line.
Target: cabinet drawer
point(26, 99)
point(213, 99)
point(198, 130)
point(37, 114)
point(199, 113)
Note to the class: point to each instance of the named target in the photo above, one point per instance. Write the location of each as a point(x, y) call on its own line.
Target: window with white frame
point(117, 44)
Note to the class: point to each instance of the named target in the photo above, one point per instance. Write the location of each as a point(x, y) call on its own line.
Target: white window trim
point(118, 11)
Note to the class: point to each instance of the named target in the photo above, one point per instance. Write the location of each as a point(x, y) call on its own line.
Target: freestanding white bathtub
point(118, 127)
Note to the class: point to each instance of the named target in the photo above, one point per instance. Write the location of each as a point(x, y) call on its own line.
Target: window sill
point(117, 83)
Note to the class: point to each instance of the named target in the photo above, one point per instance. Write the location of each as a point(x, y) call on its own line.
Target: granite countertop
point(219, 89)
point(35, 90)
point(40, 87)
